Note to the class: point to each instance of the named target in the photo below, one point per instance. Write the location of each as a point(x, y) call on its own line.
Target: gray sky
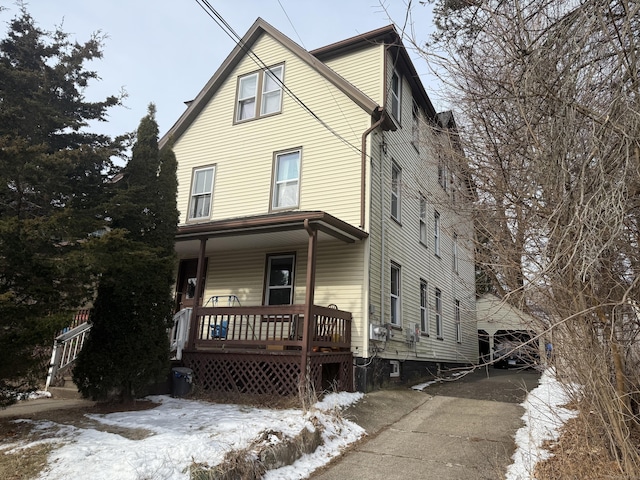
point(164, 51)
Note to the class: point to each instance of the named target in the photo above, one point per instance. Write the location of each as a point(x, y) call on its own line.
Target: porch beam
point(309, 298)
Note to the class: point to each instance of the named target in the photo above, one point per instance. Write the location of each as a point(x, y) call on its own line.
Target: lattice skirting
point(268, 374)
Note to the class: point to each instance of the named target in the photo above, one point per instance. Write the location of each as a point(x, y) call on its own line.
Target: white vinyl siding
point(201, 193)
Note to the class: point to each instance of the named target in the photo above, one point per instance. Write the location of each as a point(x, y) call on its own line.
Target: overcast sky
point(164, 51)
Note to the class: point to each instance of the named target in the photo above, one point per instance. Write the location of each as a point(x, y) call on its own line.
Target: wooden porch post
point(197, 296)
point(308, 303)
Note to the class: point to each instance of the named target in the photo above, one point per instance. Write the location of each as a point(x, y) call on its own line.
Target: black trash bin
point(181, 380)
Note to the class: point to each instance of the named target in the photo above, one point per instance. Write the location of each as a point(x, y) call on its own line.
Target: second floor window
point(396, 93)
point(396, 181)
point(259, 92)
point(201, 192)
point(286, 180)
point(455, 252)
point(436, 233)
point(423, 220)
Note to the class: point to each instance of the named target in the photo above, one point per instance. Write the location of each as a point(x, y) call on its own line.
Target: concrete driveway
point(457, 430)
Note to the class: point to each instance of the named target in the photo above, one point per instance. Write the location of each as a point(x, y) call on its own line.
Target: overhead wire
point(237, 39)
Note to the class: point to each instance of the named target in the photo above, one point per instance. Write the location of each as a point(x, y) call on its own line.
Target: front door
point(187, 283)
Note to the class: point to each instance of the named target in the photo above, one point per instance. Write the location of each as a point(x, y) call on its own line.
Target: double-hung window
point(423, 220)
point(395, 294)
point(436, 233)
point(415, 125)
point(424, 307)
point(259, 92)
point(396, 185)
point(457, 319)
point(438, 299)
point(396, 94)
point(201, 192)
point(286, 180)
point(455, 252)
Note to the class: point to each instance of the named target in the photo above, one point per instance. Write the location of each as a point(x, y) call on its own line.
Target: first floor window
point(457, 317)
point(424, 307)
point(201, 192)
point(286, 182)
point(395, 294)
point(279, 285)
point(438, 299)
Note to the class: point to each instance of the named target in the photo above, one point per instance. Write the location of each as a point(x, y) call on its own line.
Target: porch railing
point(179, 335)
point(270, 327)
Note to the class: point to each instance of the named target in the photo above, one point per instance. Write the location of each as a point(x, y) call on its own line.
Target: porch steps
point(66, 390)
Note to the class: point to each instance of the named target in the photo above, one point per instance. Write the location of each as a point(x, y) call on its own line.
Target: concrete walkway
point(26, 408)
point(433, 435)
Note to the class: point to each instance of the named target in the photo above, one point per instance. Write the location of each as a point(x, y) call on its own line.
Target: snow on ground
point(182, 432)
point(544, 416)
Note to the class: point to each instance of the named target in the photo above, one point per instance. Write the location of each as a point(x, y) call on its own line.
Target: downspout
point(363, 164)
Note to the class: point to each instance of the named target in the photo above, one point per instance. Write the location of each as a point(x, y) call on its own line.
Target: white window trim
point(275, 183)
point(395, 296)
point(424, 307)
point(259, 93)
point(192, 195)
point(396, 191)
point(438, 309)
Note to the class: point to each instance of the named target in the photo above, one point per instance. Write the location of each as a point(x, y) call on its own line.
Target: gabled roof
point(259, 28)
point(388, 36)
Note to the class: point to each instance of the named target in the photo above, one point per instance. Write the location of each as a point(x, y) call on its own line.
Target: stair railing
point(66, 347)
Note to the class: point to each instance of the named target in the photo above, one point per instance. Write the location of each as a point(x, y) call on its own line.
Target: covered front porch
point(261, 348)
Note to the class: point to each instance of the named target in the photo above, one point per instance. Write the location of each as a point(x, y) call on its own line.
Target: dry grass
point(580, 453)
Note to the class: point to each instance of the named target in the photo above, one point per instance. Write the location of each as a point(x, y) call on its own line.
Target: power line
point(230, 32)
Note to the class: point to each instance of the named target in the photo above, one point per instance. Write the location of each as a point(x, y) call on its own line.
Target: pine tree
point(128, 348)
point(52, 173)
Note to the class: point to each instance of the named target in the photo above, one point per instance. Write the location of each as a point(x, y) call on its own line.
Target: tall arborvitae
point(128, 348)
point(52, 177)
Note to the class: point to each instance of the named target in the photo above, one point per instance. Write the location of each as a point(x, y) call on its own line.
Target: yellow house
point(322, 230)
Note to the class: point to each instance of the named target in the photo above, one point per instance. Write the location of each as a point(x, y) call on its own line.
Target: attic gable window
point(259, 92)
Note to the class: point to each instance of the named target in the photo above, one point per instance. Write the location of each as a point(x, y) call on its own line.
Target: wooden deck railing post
point(308, 307)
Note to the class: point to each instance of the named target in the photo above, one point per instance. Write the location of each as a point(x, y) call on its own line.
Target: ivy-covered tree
point(128, 348)
point(52, 174)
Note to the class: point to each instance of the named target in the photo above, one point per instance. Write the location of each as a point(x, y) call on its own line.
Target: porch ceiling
point(265, 231)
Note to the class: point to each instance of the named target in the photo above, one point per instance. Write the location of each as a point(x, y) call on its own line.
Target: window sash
point(438, 307)
point(436, 233)
point(272, 91)
point(424, 307)
point(396, 178)
point(457, 320)
point(395, 95)
point(423, 220)
point(395, 295)
point(247, 93)
point(201, 192)
point(455, 253)
point(286, 180)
